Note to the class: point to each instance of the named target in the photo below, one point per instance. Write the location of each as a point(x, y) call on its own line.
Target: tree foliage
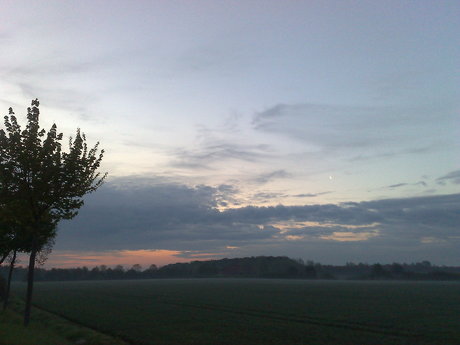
point(38, 178)
point(40, 183)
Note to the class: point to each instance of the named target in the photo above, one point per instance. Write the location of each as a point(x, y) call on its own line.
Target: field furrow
point(260, 311)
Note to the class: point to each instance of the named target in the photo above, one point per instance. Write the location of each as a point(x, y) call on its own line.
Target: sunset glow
point(127, 258)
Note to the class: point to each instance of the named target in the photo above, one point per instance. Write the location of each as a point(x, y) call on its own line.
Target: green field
point(245, 311)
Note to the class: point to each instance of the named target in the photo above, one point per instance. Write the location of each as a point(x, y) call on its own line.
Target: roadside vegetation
point(46, 329)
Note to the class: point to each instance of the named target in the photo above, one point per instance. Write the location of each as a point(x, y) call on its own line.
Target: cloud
point(267, 177)
point(60, 72)
point(206, 156)
point(310, 195)
point(322, 125)
point(453, 176)
point(226, 195)
point(404, 184)
point(397, 185)
point(374, 131)
point(177, 217)
point(393, 153)
point(266, 197)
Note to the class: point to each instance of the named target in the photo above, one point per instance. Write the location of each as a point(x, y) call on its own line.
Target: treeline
point(415, 271)
point(250, 267)
point(253, 267)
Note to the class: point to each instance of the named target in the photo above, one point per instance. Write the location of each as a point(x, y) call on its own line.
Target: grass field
point(46, 329)
point(244, 311)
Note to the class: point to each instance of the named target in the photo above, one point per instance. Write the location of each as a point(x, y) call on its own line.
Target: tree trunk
point(8, 285)
point(3, 258)
point(30, 286)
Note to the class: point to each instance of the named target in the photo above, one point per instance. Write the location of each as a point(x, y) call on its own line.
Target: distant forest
point(250, 267)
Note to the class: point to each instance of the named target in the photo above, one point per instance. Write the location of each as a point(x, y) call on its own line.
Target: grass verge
point(46, 329)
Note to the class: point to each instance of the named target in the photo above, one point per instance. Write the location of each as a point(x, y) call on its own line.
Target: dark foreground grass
point(46, 329)
point(239, 311)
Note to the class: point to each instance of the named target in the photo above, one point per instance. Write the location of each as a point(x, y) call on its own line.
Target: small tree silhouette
point(40, 184)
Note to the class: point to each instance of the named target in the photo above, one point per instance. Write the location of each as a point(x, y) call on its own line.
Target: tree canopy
point(40, 183)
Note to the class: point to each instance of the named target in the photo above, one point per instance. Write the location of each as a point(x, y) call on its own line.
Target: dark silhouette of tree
point(2, 287)
point(10, 244)
point(4, 248)
point(40, 184)
point(8, 283)
point(137, 267)
point(397, 268)
point(8, 234)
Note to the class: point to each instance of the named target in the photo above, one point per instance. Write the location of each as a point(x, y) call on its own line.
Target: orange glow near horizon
point(285, 226)
point(351, 236)
point(127, 258)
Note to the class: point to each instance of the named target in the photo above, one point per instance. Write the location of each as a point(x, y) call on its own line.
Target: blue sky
point(237, 105)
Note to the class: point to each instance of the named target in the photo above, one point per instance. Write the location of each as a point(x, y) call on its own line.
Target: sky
point(322, 130)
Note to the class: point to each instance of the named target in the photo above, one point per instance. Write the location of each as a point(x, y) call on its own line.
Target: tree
point(40, 184)
point(2, 287)
point(10, 274)
point(137, 268)
point(8, 235)
point(378, 271)
point(10, 245)
point(5, 243)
